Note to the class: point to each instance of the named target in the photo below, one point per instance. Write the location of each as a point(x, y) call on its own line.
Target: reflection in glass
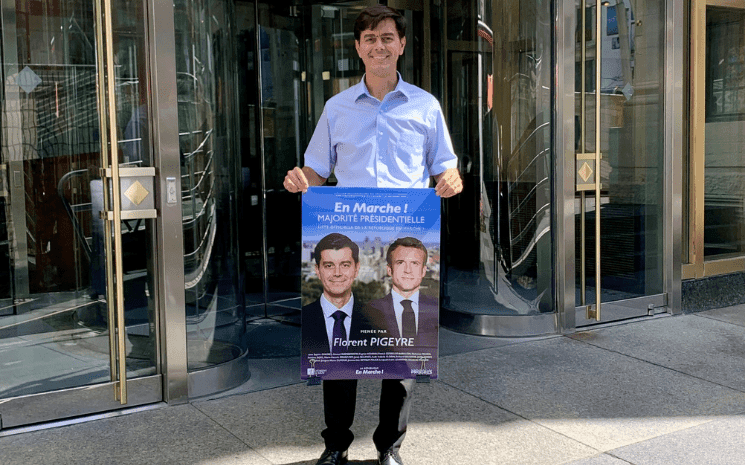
point(631, 138)
point(250, 229)
point(53, 312)
point(724, 175)
point(205, 72)
point(498, 105)
point(306, 55)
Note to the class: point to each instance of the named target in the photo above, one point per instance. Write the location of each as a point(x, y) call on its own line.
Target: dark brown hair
point(336, 241)
point(370, 17)
point(405, 242)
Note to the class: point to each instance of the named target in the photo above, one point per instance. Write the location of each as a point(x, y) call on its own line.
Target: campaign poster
point(370, 283)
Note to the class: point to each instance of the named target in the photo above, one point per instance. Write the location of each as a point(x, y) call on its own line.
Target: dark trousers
point(339, 399)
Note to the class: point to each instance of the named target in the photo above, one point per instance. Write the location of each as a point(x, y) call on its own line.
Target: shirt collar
point(329, 308)
point(402, 88)
point(397, 298)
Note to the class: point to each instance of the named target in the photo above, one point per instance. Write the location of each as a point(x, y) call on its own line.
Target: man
point(405, 312)
point(382, 132)
point(336, 316)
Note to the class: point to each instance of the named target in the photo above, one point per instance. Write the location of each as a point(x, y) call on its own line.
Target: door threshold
point(609, 324)
point(77, 420)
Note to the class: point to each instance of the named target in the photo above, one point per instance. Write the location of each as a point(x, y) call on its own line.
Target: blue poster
point(370, 283)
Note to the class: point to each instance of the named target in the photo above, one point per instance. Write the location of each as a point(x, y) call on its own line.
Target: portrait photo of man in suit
point(329, 323)
point(405, 311)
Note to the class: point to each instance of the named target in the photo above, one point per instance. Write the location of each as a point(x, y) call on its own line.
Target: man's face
point(337, 271)
point(380, 48)
point(407, 269)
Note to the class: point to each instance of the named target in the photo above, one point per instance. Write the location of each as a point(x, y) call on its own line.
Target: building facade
point(149, 250)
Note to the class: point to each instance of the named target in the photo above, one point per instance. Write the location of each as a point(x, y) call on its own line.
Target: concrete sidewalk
point(663, 390)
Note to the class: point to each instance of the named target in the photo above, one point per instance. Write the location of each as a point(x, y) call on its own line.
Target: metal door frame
point(566, 25)
point(170, 384)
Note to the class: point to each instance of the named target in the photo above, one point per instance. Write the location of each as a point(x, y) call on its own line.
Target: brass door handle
point(112, 203)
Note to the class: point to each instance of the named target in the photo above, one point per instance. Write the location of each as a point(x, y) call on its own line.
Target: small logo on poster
point(421, 371)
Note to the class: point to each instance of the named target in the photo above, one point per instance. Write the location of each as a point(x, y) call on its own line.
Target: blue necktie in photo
point(339, 332)
point(408, 320)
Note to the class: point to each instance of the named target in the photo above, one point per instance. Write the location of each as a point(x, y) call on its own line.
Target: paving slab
point(701, 347)
point(282, 424)
point(169, 435)
point(273, 372)
point(446, 426)
point(600, 398)
point(267, 373)
point(734, 315)
point(602, 459)
point(718, 442)
point(453, 343)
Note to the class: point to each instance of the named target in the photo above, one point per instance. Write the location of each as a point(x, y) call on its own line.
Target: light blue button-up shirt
point(399, 142)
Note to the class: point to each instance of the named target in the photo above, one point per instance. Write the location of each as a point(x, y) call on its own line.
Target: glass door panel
point(205, 73)
point(318, 40)
point(300, 55)
point(57, 316)
point(306, 55)
point(498, 100)
point(619, 127)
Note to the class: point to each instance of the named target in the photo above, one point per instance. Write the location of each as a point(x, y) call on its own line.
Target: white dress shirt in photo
point(329, 309)
point(398, 308)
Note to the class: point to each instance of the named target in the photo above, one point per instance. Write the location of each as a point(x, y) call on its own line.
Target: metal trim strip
point(726, 3)
point(499, 325)
point(673, 156)
point(565, 24)
point(134, 214)
point(133, 172)
point(168, 226)
point(623, 309)
point(220, 377)
point(724, 266)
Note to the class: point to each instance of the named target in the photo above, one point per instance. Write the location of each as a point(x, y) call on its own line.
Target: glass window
point(724, 175)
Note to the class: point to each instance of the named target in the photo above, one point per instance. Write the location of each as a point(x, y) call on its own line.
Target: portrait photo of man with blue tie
point(330, 322)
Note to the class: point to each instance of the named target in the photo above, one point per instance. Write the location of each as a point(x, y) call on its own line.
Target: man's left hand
point(449, 183)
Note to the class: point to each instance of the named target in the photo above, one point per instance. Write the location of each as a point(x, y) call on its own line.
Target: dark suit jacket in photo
point(314, 337)
point(382, 316)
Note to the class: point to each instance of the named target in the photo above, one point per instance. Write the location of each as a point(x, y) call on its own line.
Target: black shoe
point(389, 457)
point(333, 457)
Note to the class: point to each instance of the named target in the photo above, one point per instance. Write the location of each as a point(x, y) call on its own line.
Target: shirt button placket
point(381, 144)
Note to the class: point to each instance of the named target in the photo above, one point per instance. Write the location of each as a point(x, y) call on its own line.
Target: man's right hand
point(295, 181)
point(299, 179)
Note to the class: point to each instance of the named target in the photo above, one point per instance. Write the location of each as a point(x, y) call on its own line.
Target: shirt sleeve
point(319, 154)
point(440, 153)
